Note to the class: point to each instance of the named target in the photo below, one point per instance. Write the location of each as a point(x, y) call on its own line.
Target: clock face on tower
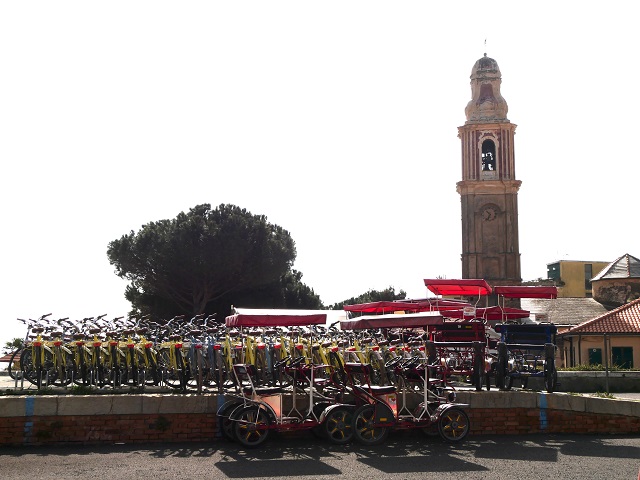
point(489, 214)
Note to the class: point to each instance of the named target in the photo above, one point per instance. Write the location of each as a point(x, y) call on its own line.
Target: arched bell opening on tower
point(488, 156)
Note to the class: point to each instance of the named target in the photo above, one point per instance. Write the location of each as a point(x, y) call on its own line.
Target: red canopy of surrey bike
point(464, 287)
point(492, 313)
point(275, 318)
point(526, 291)
point(407, 320)
point(424, 305)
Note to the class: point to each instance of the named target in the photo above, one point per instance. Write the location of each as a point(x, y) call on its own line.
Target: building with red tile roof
point(612, 338)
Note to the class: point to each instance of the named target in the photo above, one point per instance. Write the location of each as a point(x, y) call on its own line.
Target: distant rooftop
point(627, 266)
point(564, 311)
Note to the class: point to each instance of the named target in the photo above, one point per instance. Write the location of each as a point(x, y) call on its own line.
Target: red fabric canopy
point(467, 286)
point(408, 320)
point(526, 291)
point(492, 313)
point(424, 305)
point(275, 320)
point(381, 307)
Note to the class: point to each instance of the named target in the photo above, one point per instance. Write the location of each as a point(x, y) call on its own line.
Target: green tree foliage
point(288, 291)
point(389, 294)
point(12, 345)
point(204, 260)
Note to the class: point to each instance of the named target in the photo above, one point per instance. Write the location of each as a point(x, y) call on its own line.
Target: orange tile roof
point(624, 319)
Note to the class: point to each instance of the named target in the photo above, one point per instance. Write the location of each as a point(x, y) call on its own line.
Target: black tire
point(501, 371)
point(478, 366)
point(389, 366)
point(501, 367)
point(169, 373)
point(453, 425)
point(27, 366)
point(261, 367)
point(14, 362)
point(478, 374)
point(550, 375)
point(378, 374)
point(338, 368)
point(487, 381)
point(225, 423)
point(251, 426)
point(80, 370)
point(152, 373)
point(64, 367)
point(364, 428)
point(508, 382)
point(338, 425)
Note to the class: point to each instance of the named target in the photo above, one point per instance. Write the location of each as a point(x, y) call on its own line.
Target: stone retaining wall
point(37, 420)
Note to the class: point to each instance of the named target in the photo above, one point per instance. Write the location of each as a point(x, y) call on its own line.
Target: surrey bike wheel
point(338, 425)
point(364, 428)
point(251, 426)
point(224, 419)
point(453, 425)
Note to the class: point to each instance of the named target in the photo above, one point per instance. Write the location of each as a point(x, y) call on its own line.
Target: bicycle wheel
point(338, 368)
point(63, 365)
point(80, 368)
point(550, 375)
point(261, 367)
point(478, 374)
point(338, 425)
point(14, 364)
point(27, 367)
point(378, 376)
point(251, 426)
point(508, 382)
point(169, 371)
point(152, 377)
point(364, 428)
point(453, 425)
point(389, 367)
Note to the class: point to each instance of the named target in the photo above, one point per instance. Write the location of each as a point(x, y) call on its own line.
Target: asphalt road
point(406, 455)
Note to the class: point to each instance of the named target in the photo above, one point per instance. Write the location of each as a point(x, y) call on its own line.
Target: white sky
point(336, 119)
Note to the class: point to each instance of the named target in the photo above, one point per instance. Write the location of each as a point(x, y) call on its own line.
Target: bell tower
point(489, 189)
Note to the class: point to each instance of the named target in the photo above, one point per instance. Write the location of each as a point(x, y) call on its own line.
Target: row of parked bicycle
point(192, 353)
point(200, 353)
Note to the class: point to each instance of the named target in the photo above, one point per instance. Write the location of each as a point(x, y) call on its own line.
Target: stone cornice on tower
point(488, 187)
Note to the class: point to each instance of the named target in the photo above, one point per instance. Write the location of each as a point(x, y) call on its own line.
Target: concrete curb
point(150, 404)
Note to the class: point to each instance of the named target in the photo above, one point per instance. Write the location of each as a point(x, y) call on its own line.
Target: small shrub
point(584, 367)
point(603, 395)
point(80, 390)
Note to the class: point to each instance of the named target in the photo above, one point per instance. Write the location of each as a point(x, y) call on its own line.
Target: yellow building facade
point(573, 277)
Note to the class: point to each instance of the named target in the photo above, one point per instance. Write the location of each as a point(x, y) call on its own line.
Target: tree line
point(205, 260)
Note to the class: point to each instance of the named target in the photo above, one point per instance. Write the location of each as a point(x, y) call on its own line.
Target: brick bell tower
point(489, 189)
